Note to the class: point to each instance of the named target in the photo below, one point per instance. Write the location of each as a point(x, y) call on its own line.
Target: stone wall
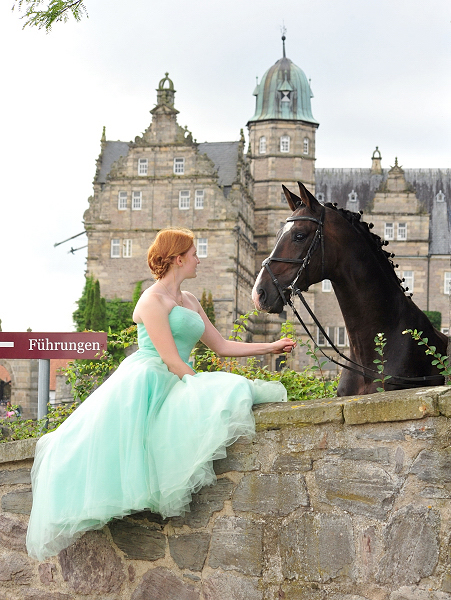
point(344, 499)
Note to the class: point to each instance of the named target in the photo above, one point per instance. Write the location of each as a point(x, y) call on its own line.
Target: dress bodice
point(187, 328)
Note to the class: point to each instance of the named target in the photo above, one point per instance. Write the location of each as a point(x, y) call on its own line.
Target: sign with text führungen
point(52, 345)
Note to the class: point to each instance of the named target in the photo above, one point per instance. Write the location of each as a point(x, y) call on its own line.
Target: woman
point(147, 437)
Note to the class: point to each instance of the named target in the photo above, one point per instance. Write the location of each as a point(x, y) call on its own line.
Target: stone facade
point(233, 202)
point(344, 499)
point(24, 384)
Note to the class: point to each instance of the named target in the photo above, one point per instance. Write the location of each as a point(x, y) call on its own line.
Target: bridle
point(318, 240)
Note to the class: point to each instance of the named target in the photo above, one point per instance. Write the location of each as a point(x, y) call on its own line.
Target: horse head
point(297, 259)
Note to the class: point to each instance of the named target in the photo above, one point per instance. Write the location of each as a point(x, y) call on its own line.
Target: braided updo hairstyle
point(168, 244)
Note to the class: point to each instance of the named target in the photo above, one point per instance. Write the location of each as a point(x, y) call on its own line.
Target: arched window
point(352, 196)
point(262, 145)
point(285, 143)
point(306, 145)
point(440, 197)
point(320, 197)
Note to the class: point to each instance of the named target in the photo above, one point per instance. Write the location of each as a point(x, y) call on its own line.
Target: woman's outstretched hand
point(283, 345)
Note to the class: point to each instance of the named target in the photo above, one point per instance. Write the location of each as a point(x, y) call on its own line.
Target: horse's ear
point(307, 198)
point(293, 201)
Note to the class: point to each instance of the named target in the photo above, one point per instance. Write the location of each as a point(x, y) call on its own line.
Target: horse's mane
point(374, 241)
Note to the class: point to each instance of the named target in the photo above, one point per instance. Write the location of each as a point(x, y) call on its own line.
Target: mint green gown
point(144, 440)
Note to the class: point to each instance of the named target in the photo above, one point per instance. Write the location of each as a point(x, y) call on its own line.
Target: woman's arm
point(154, 313)
point(214, 340)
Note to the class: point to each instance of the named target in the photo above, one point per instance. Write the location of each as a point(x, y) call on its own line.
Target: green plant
point(240, 325)
point(441, 362)
point(435, 317)
point(18, 428)
point(380, 342)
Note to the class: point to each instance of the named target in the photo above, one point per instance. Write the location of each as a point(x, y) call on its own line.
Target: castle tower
point(282, 146)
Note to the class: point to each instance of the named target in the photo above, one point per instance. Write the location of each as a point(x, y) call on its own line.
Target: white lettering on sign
point(43, 344)
point(6, 344)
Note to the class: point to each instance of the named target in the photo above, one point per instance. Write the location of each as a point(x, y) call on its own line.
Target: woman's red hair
point(168, 244)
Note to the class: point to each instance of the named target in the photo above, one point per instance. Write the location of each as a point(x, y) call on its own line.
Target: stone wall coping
point(398, 405)
point(20, 450)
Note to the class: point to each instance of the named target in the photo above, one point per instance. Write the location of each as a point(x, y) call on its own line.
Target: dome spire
point(283, 30)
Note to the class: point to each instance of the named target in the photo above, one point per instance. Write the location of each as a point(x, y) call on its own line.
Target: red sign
point(52, 345)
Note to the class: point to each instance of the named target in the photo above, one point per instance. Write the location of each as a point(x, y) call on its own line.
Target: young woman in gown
point(147, 437)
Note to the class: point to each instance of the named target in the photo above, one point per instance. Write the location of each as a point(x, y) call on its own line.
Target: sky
point(380, 74)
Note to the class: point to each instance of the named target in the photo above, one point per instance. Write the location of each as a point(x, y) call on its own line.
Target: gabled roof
point(111, 153)
point(225, 157)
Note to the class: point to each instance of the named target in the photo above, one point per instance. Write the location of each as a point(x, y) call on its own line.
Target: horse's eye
point(298, 237)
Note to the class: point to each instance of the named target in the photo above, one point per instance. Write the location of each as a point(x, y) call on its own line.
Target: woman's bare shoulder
point(151, 300)
point(190, 301)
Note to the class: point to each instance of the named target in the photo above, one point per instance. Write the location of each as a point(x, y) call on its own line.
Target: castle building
point(233, 202)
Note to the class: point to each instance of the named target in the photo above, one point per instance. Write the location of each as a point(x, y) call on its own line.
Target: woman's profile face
point(190, 262)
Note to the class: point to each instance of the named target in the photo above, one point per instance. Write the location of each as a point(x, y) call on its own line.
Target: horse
point(325, 242)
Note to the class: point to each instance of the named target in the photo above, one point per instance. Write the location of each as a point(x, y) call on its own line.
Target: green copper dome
point(283, 93)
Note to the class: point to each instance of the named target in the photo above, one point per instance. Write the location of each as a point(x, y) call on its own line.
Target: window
point(326, 285)
point(127, 248)
point(389, 231)
point(402, 231)
point(184, 200)
point(143, 165)
point(137, 201)
point(320, 197)
point(408, 280)
point(115, 248)
point(341, 336)
point(179, 166)
point(440, 197)
point(202, 247)
point(305, 147)
point(447, 283)
point(285, 143)
point(199, 199)
point(352, 196)
point(262, 145)
point(321, 340)
point(331, 333)
point(285, 96)
point(122, 201)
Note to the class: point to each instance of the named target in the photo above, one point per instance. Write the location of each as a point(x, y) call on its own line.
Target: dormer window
point(179, 166)
point(440, 197)
point(262, 145)
point(143, 166)
point(285, 97)
point(320, 197)
point(305, 147)
point(285, 143)
point(352, 196)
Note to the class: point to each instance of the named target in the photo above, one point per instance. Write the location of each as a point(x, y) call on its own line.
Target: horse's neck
point(371, 302)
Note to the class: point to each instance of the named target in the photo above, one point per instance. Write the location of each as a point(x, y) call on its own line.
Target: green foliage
point(36, 14)
point(441, 362)
point(240, 325)
point(435, 317)
point(18, 428)
point(380, 342)
point(96, 313)
point(84, 376)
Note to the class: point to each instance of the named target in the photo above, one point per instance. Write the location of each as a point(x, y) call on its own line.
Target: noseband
point(318, 238)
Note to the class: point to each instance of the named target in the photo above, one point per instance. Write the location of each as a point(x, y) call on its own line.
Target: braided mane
point(374, 241)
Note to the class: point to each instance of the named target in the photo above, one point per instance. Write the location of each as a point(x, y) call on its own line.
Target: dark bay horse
point(335, 244)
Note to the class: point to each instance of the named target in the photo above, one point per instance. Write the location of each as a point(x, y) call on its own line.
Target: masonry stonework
point(344, 499)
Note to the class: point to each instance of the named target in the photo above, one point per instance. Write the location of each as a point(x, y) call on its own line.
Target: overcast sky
point(380, 74)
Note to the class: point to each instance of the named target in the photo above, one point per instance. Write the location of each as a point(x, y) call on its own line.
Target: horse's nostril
point(261, 294)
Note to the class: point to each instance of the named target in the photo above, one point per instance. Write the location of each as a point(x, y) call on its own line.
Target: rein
point(318, 238)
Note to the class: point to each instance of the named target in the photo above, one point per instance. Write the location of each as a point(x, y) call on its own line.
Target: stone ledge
point(399, 405)
point(20, 450)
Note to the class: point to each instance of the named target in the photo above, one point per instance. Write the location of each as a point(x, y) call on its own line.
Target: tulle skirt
point(144, 440)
